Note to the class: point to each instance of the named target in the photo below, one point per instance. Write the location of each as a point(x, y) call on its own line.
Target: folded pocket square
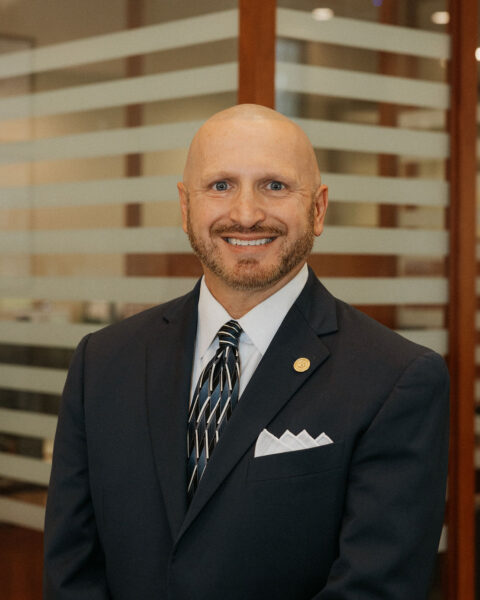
point(267, 443)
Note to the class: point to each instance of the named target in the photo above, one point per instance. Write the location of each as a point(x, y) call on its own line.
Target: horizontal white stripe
point(382, 241)
point(154, 290)
point(323, 134)
point(175, 34)
point(113, 142)
point(103, 191)
point(52, 335)
point(374, 138)
point(300, 25)
point(335, 240)
point(348, 188)
point(436, 339)
point(21, 468)
point(21, 513)
point(92, 241)
point(32, 379)
point(27, 423)
point(388, 290)
point(151, 290)
point(178, 84)
point(343, 83)
point(386, 190)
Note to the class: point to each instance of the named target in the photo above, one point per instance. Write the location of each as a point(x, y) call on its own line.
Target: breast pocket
point(297, 463)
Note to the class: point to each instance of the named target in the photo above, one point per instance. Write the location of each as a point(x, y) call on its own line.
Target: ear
point(321, 203)
point(183, 196)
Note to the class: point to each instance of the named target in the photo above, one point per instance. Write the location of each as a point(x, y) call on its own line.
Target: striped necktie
point(215, 396)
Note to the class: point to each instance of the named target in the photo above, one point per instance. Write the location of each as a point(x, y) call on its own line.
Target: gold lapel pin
point(301, 365)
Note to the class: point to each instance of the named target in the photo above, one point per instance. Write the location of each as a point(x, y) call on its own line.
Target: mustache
point(265, 230)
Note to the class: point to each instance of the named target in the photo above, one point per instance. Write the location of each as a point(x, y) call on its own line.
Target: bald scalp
point(259, 116)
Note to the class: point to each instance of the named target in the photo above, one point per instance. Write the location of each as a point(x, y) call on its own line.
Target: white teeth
point(237, 242)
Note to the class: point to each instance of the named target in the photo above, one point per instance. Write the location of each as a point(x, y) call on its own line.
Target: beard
point(247, 273)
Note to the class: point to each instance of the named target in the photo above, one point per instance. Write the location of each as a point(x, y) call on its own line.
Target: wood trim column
point(462, 224)
point(256, 52)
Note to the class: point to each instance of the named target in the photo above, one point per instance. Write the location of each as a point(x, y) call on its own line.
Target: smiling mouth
point(238, 242)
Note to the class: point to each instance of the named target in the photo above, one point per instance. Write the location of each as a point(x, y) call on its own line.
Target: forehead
point(271, 145)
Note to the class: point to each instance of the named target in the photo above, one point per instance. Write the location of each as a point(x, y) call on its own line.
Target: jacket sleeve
point(74, 566)
point(395, 499)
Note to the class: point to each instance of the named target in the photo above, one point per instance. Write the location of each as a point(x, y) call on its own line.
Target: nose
point(247, 208)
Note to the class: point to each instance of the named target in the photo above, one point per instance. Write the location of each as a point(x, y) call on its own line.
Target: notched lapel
point(273, 384)
point(169, 363)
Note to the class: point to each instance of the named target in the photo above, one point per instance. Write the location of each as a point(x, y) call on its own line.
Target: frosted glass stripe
point(436, 339)
point(335, 239)
point(21, 468)
point(300, 25)
point(343, 83)
point(388, 290)
point(387, 190)
point(348, 188)
point(154, 290)
point(175, 34)
point(382, 241)
point(32, 379)
point(97, 192)
point(49, 334)
point(21, 513)
point(151, 290)
point(101, 143)
point(178, 84)
point(27, 423)
point(323, 134)
point(374, 138)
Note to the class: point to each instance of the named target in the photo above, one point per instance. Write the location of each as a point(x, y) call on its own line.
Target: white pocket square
point(267, 443)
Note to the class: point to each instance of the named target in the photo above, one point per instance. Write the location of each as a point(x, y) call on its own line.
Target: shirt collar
point(259, 325)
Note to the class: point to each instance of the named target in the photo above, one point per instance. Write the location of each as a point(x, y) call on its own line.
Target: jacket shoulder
point(377, 344)
point(139, 327)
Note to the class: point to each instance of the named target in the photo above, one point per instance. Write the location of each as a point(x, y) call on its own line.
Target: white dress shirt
point(259, 327)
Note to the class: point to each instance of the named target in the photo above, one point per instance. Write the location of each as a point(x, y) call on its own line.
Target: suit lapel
point(273, 384)
point(169, 365)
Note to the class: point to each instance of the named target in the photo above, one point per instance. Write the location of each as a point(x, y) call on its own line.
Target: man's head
point(251, 198)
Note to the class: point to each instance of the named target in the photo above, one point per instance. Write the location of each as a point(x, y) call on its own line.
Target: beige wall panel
point(81, 122)
point(83, 265)
point(164, 163)
point(51, 171)
point(162, 214)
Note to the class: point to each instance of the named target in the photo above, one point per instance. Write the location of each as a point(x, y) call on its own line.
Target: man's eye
point(276, 186)
point(220, 186)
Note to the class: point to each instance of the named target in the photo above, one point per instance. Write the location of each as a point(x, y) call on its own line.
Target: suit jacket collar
point(168, 383)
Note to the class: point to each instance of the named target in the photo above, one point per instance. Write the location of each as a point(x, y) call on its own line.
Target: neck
point(239, 302)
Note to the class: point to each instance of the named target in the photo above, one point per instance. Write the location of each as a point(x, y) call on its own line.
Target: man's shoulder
point(375, 344)
point(141, 326)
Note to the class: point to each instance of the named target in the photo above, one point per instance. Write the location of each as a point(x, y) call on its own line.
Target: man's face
point(250, 205)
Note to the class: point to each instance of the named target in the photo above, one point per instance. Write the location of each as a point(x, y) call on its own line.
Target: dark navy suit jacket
point(358, 519)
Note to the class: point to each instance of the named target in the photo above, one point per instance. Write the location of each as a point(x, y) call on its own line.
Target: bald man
point(256, 438)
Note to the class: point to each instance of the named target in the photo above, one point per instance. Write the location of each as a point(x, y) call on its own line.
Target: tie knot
point(229, 334)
